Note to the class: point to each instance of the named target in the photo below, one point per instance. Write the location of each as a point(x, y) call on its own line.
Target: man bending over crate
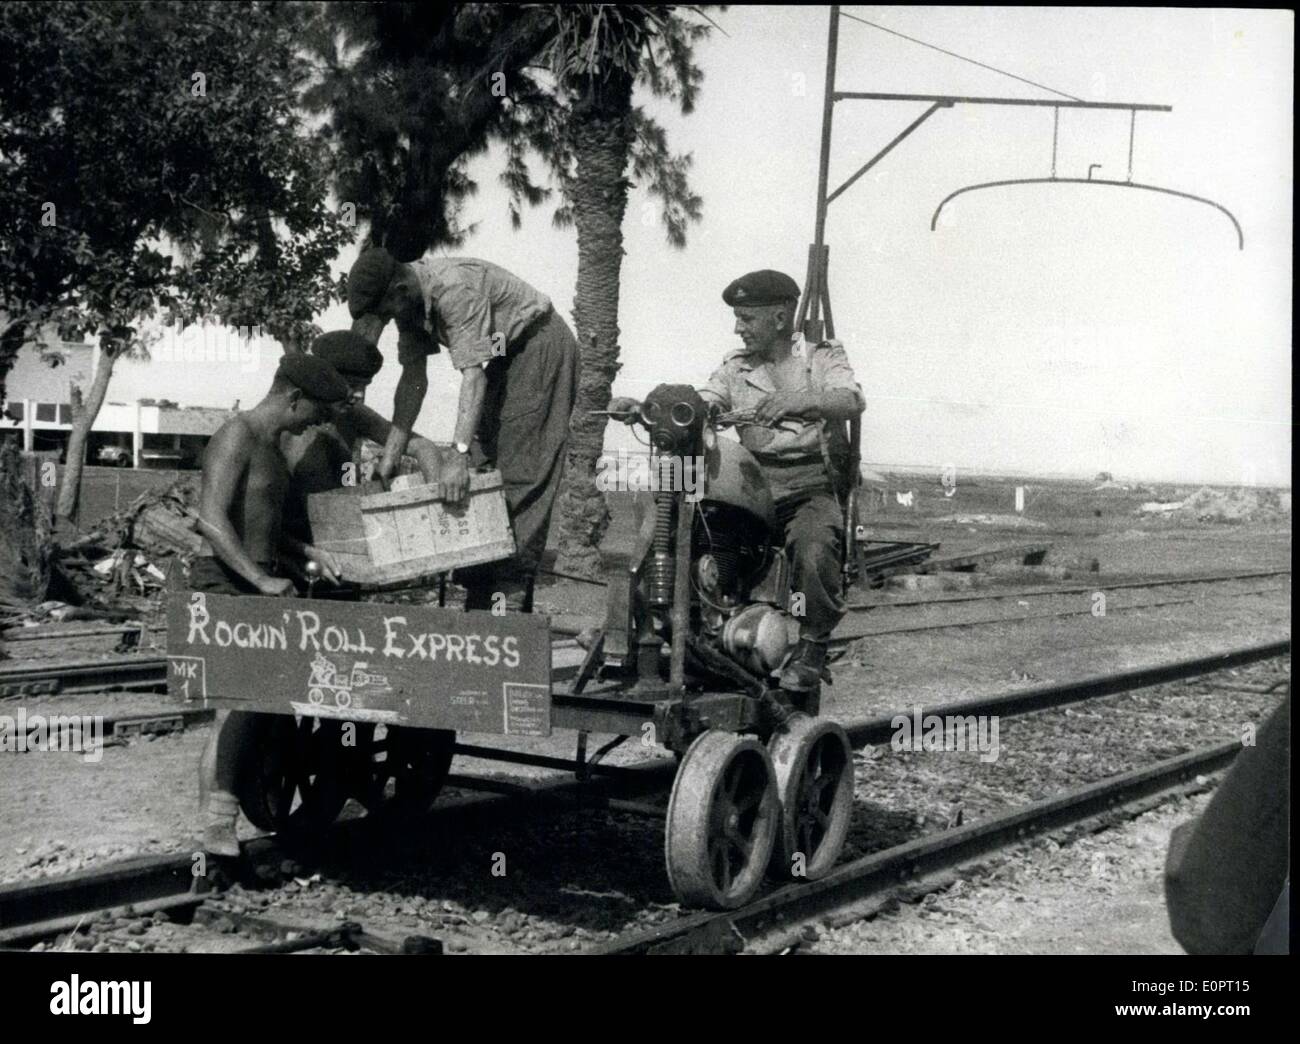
point(245, 481)
point(518, 365)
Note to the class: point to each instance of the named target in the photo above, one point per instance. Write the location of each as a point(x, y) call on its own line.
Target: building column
point(29, 418)
point(137, 438)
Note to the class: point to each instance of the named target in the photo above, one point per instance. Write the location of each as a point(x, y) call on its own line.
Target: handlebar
point(715, 419)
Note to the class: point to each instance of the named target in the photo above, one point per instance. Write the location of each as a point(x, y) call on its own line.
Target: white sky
point(1056, 330)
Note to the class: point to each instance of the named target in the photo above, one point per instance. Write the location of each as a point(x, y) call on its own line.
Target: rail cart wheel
point(416, 760)
point(294, 780)
point(814, 780)
point(723, 818)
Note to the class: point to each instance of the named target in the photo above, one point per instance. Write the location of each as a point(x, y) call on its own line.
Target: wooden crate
point(409, 534)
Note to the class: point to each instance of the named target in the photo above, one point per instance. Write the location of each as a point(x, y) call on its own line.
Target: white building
point(144, 433)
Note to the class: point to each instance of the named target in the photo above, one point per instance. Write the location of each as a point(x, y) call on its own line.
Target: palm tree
point(597, 143)
point(409, 92)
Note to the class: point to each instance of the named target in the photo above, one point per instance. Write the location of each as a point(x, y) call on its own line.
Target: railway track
point(43, 909)
point(1044, 592)
point(34, 911)
point(134, 673)
point(853, 889)
point(842, 640)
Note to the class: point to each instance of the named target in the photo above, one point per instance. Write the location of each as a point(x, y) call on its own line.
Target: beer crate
point(409, 533)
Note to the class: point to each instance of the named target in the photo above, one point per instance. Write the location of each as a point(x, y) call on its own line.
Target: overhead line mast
point(814, 317)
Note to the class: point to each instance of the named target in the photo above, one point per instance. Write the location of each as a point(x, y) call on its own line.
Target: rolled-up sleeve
point(414, 343)
point(718, 389)
point(836, 372)
point(465, 325)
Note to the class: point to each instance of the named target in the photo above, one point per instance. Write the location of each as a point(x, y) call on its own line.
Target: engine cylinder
point(760, 637)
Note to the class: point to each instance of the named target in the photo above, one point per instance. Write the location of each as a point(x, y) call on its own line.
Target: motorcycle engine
point(731, 556)
point(760, 637)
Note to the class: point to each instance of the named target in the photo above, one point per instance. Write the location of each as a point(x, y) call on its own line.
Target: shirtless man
point(317, 457)
point(245, 481)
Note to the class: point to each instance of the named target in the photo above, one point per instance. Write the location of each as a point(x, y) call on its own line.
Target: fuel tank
point(733, 477)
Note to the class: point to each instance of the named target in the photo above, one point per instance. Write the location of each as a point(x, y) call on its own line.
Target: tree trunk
point(602, 133)
point(82, 422)
point(12, 338)
point(24, 535)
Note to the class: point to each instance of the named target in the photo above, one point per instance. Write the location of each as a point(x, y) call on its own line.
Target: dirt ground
point(60, 812)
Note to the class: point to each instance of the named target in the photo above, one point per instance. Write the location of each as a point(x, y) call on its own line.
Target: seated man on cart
point(810, 391)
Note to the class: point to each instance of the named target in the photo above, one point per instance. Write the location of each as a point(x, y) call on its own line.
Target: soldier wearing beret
point(811, 390)
point(244, 485)
point(319, 457)
point(518, 362)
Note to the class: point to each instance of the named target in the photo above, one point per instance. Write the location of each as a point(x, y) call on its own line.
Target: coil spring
point(661, 571)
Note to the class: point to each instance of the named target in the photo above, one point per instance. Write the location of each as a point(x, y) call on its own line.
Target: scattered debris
point(1236, 505)
point(1224, 505)
point(117, 569)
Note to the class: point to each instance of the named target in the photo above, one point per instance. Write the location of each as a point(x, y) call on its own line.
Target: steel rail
point(769, 921)
point(1038, 592)
point(839, 640)
point(135, 672)
point(987, 621)
point(42, 634)
point(1044, 697)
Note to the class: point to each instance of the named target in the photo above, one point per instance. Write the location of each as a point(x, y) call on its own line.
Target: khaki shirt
point(477, 309)
point(743, 381)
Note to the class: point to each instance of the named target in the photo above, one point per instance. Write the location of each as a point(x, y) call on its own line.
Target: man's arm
point(374, 427)
point(838, 400)
point(228, 455)
point(455, 473)
point(412, 386)
point(718, 391)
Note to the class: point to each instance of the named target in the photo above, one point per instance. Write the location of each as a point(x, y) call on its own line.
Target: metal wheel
point(293, 781)
point(415, 760)
point(814, 780)
point(723, 818)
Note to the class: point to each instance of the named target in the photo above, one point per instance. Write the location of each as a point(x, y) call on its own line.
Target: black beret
point(317, 378)
point(349, 353)
point(368, 281)
point(764, 287)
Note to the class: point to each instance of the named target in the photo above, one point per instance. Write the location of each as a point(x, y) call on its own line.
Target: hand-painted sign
point(396, 664)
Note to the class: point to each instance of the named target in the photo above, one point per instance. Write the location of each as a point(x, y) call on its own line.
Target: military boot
point(804, 671)
point(219, 825)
